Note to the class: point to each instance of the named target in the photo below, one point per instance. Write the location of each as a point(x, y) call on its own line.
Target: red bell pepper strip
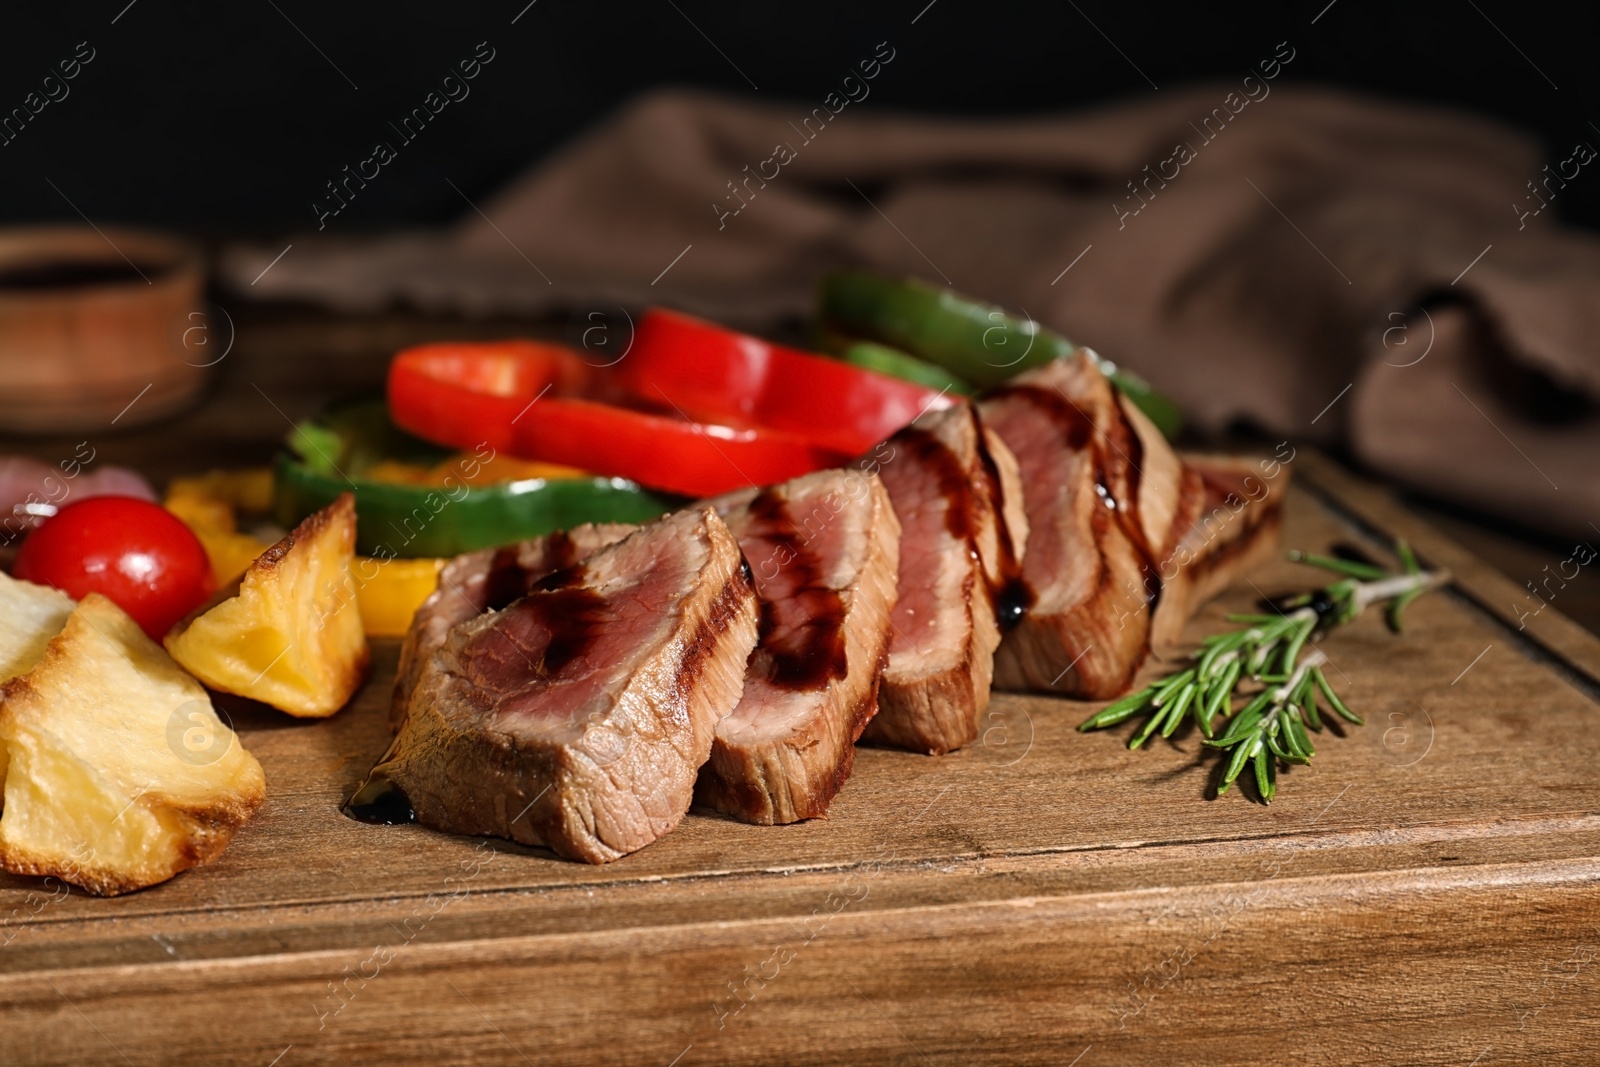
point(664, 451)
point(710, 372)
point(466, 394)
point(517, 397)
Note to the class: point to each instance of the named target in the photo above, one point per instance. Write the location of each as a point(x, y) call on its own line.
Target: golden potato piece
point(120, 773)
point(292, 637)
point(30, 615)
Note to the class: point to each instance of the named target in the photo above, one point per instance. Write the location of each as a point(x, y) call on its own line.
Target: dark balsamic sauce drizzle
point(954, 485)
point(379, 800)
point(813, 654)
point(1133, 520)
point(1078, 430)
point(1009, 595)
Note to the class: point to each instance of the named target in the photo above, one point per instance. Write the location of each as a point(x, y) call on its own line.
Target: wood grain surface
point(1428, 892)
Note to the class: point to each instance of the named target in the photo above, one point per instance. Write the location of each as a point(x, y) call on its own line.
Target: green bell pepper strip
point(978, 342)
point(329, 456)
point(892, 361)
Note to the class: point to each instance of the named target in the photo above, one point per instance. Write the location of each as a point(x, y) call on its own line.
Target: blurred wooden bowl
point(89, 322)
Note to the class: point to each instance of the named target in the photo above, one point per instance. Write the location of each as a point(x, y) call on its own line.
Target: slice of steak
point(1234, 529)
point(824, 549)
point(1126, 538)
point(488, 580)
point(947, 479)
point(578, 716)
point(1002, 552)
point(1094, 488)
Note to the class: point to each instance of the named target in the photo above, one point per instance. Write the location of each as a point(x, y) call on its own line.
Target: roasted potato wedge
point(292, 636)
point(30, 615)
point(119, 774)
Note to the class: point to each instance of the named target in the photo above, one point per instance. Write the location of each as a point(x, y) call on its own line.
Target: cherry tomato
point(136, 553)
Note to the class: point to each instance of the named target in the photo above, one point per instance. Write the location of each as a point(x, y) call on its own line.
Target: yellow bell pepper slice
point(248, 490)
point(389, 591)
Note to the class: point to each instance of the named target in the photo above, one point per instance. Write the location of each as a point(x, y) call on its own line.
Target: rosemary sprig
point(1265, 665)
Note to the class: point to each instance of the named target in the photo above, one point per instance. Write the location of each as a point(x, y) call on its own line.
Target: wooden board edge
point(992, 982)
point(1378, 509)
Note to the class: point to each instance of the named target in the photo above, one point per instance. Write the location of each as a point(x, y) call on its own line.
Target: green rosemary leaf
point(1268, 659)
point(1229, 643)
point(1263, 784)
point(1178, 707)
point(1296, 641)
point(1218, 698)
point(1241, 756)
point(1118, 710)
point(1299, 740)
point(1151, 725)
point(1246, 721)
point(1333, 698)
point(1309, 710)
point(1165, 689)
point(1347, 567)
point(1278, 745)
point(1303, 691)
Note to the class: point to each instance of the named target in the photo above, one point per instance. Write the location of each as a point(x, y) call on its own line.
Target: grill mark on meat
point(505, 582)
point(1079, 431)
point(953, 484)
point(560, 551)
point(596, 758)
point(702, 645)
point(1074, 423)
point(1083, 597)
point(956, 492)
point(558, 608)
point(488, 580)
point(825, 548)
point(1135, 520)
point(808, 656)
point(1009, 596)
point(508, 580)
point(1127, 505)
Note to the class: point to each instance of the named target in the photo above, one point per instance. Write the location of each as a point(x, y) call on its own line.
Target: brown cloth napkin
point(1317, 265)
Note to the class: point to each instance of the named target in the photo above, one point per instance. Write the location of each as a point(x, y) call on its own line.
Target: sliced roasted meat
point(1092, 578)
point(579, 715)
point(824, 549)
point(1235, 528)
point(488, 580)
point(954, 487)
point(1126, 539)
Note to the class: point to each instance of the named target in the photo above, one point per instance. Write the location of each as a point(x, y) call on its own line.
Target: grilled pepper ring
point(706, 370)
point(659, 425)
point(977, 342)
point(329, 456)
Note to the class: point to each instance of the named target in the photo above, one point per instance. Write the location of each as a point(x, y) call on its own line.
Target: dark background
point(227, 119)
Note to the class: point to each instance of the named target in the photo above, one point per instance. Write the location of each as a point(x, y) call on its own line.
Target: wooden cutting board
point(1427, 892)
